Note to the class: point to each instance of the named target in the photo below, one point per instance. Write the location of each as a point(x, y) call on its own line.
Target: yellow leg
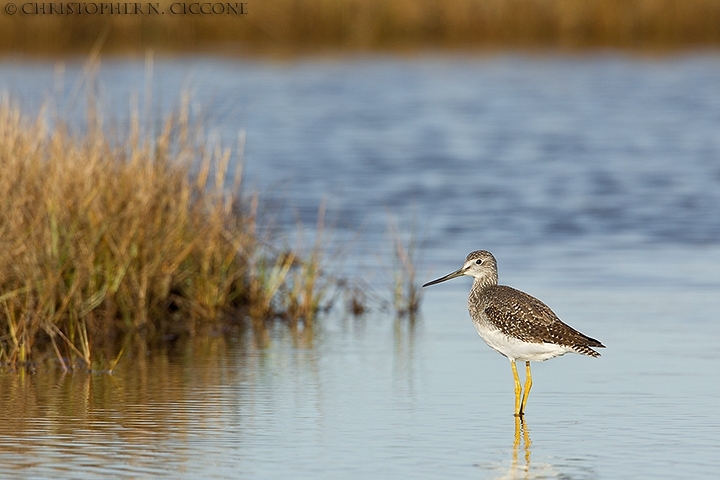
point(528, 386)
point(518, 389)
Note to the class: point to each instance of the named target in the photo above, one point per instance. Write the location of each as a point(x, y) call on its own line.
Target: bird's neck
point(483, 283)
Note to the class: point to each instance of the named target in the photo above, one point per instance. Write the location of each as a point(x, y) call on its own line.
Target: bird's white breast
point(515, 349)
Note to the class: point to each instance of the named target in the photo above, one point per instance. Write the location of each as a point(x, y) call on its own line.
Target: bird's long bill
point(449, 276)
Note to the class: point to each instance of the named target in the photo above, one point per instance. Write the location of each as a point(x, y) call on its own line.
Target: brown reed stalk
point(407, 290)
point(308, 284)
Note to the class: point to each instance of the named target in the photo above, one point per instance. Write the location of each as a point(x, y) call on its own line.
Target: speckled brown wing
point(526, 318)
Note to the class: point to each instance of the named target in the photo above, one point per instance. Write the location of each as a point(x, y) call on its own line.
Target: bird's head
point(479, 264)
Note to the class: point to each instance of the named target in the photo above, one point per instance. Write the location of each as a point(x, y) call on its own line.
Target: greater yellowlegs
point(511, 322)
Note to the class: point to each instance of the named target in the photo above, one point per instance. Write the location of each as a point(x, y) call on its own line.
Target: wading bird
point(511, 322)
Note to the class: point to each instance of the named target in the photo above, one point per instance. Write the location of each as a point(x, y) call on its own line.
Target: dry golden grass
point(366, 24)
point(102, 239)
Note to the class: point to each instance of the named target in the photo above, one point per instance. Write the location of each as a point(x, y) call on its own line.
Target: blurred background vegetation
point(290, 26)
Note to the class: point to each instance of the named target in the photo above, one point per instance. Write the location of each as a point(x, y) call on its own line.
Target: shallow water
point(595, 181)
point(383, 398)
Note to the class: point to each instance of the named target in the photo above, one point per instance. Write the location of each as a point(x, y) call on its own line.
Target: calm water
point(595, 181)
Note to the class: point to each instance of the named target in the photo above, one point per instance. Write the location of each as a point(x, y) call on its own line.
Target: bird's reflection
point(521, 469)
point(522, 431)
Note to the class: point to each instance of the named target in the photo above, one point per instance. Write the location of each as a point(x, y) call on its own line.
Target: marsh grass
point(105, 238)
point(307, 285)
point(407, 292)
point(292, 25)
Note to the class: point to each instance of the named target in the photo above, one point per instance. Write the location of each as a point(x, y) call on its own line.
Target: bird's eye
point(478, 261)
